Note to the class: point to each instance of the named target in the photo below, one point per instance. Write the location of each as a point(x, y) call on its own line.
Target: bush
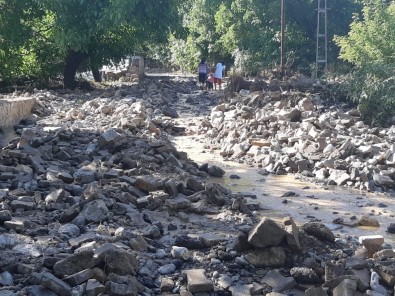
point(373, 88)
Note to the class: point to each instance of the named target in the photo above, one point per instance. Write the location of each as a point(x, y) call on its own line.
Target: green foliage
point(16, 31)
point(370, 39)
point(184, 54)
point(370, 46)
point(37, 36)
point(249, 30)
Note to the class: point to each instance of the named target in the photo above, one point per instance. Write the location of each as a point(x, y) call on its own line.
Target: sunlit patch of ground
point(311, 202)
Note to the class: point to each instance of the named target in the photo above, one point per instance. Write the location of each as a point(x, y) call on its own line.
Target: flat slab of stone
point(278, 282)
point(197, 281)
point(243, 290)
point(12, 111)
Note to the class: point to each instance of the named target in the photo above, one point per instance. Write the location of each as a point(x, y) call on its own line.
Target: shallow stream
point(310, 202)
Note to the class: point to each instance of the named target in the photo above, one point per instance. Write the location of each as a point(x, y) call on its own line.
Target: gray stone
point(84, 238)
point(123, 285)
point(305, 275)
point(74, 263)
point(316, 291)
point(178, 203)
point(79, 277)
point(36, 290)
point(70, 230)
point(6, 279)
point(266, 233)
point(361, 286)
point(384, 254)
point(171, 112)
point(372, 243)
point(242, 290)
point(5, 215)
point(121, 289)
point(24, 205)
point(56, 196)
point(167, 269)
point(166, 284)
point(54, 284)
point(339, 177)
point(375, 285)
point(69, 214)
point(197, 281)
point(211, 240)
point(386, 270)
point(268, 257)
point(347, 287)
point(241, 243)
point(120, 262)
point(94, 288)
point(148, 183)
point(215, 171)
point(362, 274)
point(225, 281)
point(368, 221)
point(292, 234)
point(138, 243)
point(278, 282)
point(109, 138)
point(95, 211)
point(180, 253)
point(83, 176)
point(355, 263)
point(333, 271)
point(319, 231)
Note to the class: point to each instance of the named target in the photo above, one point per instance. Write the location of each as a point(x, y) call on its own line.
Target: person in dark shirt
point(203, 70)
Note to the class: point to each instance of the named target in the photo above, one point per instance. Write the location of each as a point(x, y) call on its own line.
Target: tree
point(249, 30)
point(19, 24)
point(370, 47)
point(371, 38)
point(104, 30)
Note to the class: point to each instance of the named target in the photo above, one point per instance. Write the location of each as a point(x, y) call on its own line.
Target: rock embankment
point(96, 201)
point(295, 132)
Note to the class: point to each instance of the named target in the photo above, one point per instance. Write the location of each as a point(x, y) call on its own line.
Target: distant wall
point(13, 110)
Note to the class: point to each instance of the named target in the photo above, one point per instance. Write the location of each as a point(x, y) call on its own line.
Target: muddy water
point(311, 202)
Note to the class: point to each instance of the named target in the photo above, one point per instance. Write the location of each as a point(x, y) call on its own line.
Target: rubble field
point(96, 200)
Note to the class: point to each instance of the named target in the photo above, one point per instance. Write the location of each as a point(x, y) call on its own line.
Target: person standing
point(203, 70)
point(219, 69)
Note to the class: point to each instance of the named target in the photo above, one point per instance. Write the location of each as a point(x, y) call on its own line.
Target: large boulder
point(266, 233)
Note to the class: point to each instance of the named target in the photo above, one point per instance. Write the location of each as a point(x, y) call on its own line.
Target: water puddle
point(282, 196)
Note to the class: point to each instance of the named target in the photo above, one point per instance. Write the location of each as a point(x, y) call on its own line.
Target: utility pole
point(282, 36)
point(322, 38)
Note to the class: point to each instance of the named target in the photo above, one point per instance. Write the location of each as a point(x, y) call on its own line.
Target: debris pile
point(294, 132)
point(96, 201)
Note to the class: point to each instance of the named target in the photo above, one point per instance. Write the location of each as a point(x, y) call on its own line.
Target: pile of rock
point(94, 201)
point(293, 132)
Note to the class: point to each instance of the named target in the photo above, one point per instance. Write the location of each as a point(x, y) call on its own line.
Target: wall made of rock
point(15, 109)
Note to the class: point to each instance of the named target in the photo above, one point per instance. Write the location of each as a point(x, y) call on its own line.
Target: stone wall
point(15, 109)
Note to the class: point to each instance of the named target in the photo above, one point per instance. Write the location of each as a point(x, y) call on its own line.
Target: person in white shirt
point(219, 69)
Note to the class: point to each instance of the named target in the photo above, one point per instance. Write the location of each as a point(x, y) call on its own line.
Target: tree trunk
point(73, 61)
point(96, 74)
